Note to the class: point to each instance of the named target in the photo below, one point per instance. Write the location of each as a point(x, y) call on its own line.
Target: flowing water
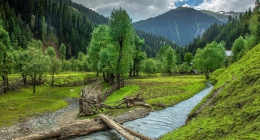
point(156, 123)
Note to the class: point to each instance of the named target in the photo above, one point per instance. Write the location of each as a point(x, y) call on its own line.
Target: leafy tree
point(170, 60)
point(20, 57)
point(100, 39)
point(37, 63)
point(238, 48)
point(184, 67)
point(106, 64)
point(55, 64)
point(210, 58)
point(121, 32)
point(149, 66)
point(138, 56)
point(62, 53)
point(188, 57)
point(5, 57)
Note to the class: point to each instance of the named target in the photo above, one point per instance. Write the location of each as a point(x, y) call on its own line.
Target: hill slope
point(234, 113)
point(180, 25)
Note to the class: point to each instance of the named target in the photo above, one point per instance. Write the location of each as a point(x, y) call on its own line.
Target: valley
point(63, 64)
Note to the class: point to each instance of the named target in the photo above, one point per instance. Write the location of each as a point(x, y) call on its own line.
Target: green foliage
point(234, 113)
point(188, 57)
point(149, 66)
point(170, 60)
point(62, 53)
point(210, 58)
point(5, 57)
point(100, 39)
point(121, 33)
point(238, 48)
point(36, 64)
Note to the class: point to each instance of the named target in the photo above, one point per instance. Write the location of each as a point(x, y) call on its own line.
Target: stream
point(156, 123)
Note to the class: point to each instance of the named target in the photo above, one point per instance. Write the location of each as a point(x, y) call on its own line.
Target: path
point(47, 121)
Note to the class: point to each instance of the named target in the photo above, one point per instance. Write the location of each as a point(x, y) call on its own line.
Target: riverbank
point(168, 90)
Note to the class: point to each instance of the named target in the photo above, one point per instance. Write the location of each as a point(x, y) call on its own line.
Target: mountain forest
point(57, 53)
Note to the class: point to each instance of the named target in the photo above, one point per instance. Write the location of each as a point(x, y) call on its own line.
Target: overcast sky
point(143, 9)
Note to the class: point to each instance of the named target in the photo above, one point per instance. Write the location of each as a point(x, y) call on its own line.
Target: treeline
point(72, 28)
point(154, 42)
point(235, 27)
point(239, 34)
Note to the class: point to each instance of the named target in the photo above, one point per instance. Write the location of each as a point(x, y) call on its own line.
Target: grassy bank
point(168, 90)
point(234, 113)
point(16, 106)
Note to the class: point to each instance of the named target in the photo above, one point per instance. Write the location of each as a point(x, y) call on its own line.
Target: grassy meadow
point(169, 90)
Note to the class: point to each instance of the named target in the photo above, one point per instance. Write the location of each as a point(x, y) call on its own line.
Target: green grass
point(235, 113)
point(169, 89)
point(128, 90)
point(16, 106)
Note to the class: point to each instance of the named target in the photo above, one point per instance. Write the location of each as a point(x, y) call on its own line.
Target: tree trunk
point(52, 79)
point(118, 62)
point(5, 81)
point(134, 68)
point(34, 82)
point(24, 80)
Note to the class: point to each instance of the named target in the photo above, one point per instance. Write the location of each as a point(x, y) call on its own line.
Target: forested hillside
point(231, 111)
point(235, 27)
point(153, 43)
point(180, 25)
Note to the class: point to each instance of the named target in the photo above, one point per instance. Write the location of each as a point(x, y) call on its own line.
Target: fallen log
point(42, 135)
point(120, 130)
point(86, 127)
point(143, 137)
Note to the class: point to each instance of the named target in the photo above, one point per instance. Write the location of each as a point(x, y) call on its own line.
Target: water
point(156, 123)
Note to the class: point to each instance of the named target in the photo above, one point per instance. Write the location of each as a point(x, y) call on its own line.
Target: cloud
point(143, 9)
point(137, 9)
point(226, 5)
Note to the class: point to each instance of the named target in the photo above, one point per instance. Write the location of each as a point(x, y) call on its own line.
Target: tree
point(62, 53)
point(170, 60)
point(121, 33)
point(188, 57)
point(138, 56)
point(100, 39)
point(5, 57)
point(238, 48)
point(210, 58)
point(20, 57)
point(55, 64)
point(37, 63)
point(149, 66)
point(106, 64)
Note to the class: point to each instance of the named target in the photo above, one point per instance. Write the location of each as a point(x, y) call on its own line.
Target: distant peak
point(186, 6)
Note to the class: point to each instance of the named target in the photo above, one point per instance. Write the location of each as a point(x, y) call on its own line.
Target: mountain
point(180, 25)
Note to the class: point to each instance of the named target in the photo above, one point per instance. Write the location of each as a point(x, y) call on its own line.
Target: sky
point(144, 9)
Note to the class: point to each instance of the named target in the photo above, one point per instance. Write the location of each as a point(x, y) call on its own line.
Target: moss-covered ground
point(235, 112)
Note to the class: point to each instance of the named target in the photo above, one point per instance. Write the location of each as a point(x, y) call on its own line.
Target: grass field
point(16, 106)
point(168, 90)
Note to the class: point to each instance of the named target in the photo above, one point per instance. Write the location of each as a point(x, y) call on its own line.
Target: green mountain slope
point(234, 113)
point(180, 25)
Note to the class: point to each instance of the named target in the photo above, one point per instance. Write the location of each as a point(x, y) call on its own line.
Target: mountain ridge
point(180, 25)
